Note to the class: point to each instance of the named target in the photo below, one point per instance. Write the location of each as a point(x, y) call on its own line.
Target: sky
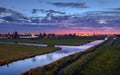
point(67, 6)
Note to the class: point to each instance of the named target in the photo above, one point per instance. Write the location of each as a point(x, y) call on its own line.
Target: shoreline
point(63, 61)
point(7, 62)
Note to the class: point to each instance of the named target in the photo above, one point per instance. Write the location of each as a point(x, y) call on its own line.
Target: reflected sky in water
point(17, 67)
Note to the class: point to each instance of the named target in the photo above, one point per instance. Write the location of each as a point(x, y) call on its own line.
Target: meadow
point(55, 41)
point(13, 52)
point(9, 53)
point(102, 59)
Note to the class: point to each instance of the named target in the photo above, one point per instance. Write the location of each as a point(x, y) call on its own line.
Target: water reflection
point(17, 67)
point(44, 45)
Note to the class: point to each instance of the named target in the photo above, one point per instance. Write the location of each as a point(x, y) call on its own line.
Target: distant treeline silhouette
point(16, 35)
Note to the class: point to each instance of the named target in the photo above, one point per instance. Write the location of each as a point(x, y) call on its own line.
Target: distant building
point(31, 36)
point(15, 35)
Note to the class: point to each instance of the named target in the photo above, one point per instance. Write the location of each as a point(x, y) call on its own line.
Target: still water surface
point(15, 68)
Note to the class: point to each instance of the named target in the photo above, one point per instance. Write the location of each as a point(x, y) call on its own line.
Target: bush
point(51, 45)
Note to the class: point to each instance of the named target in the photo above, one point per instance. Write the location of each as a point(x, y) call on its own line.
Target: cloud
point(49, 13)
point(2, 9)
point(116, 9)
point(72, 5)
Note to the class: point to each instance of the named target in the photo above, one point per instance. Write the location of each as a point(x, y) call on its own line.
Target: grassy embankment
point(103, 59)
point(10, 53)
point(56, 41)
point(53, 68)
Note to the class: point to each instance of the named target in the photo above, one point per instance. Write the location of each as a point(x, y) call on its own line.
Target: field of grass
point(9, 53)
point(53, 68)
point(103, 59)
point(56, 41)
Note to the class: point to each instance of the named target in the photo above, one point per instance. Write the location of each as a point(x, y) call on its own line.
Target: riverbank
point(105, 61)
point(20, 66)
point(55, 41)
point(10, 53)
point(14, 52)
point(53, 68)
point(102, 59)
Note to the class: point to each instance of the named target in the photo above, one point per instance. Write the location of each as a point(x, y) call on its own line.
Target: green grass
point(53, 68)
point(9, 53)
point(103, 59)
point(56, 41)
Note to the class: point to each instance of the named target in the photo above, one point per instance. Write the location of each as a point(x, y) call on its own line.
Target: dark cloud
point(116, 9)
point(49, 13)
point(2, 9)
point(73, 5)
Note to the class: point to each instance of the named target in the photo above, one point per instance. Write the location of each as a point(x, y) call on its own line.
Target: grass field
point(9, 53)
point(103, 59)
point(57, 41)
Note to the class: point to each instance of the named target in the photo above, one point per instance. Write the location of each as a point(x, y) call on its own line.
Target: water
point(15, 68)
point(29, 44)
